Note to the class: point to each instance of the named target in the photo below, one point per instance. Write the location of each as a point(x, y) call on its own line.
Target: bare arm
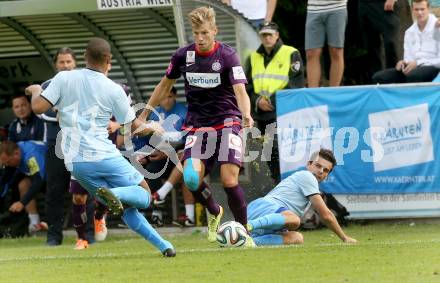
point(271, 5)
point(39, 104)
point(227, 2)
point(389, 5)
point(244, 104)
point(119, 140)
point(142, 128)
point(329, 219)
point(162, 89)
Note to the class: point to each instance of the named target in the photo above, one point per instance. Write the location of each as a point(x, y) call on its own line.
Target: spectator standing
point(380, 25)
point(421, 59)
point(257, 12)
point(273, 66)
point(58, 177)
point(326, 21)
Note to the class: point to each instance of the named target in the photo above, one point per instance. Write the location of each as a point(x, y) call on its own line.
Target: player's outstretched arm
point(329, 218)
point(38, 103)
point(162, 89)
point(244, 104)
point(142, 128)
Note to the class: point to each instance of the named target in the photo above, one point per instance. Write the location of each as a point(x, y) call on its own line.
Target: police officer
point(273, 66)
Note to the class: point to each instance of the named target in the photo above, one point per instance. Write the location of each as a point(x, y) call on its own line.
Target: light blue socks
point(273, 221)
point(137, 222)
point(269, 240)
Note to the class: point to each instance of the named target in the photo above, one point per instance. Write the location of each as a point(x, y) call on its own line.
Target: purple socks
point(204, 196)
point(237, 203)
point(79, 220)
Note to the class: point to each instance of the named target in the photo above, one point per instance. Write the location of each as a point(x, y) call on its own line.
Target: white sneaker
point(157, 201)
point(34, 228)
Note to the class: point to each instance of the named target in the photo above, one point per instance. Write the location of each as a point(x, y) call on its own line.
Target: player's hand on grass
point(349, 240)
point(33, 89)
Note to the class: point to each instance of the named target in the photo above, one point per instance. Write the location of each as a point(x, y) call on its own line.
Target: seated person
point(421, 60)
point(28, 158)
point(169, 106)
point(57, 177)
point(26, 126)
point(12, 225)
point(274, 218)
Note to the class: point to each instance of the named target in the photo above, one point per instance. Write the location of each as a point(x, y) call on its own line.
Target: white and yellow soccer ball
point(231, 234)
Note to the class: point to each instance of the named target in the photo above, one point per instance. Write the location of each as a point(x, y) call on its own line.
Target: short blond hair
point(202, 15)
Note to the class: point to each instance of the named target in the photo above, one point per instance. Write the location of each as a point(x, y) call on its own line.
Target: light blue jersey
point(86, 100)
point(292, 193)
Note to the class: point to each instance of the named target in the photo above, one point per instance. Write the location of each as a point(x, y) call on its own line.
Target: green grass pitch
point(385, 253)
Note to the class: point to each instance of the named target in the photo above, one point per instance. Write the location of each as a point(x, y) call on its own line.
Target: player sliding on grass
point(218, 106)
point(86, 100)
point(274, 218)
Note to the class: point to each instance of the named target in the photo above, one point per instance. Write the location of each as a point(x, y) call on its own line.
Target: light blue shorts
point(109, 173)
point(259, 208)
point(330, 25)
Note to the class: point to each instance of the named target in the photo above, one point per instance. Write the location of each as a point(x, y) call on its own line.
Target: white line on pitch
point(217, 249)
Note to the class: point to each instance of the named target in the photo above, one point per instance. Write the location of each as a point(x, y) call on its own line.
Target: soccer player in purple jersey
point(218, 106)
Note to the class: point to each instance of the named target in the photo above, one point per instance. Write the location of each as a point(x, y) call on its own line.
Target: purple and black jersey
point(209, 78)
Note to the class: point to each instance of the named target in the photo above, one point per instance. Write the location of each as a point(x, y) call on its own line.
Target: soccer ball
point(231, 234)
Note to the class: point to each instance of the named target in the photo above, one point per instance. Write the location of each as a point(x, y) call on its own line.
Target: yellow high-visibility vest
point(267, 80)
